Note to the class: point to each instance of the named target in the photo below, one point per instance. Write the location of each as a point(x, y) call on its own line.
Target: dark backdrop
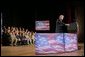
point(24, 14)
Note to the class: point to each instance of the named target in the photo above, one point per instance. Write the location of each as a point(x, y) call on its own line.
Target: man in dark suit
point(60, 26)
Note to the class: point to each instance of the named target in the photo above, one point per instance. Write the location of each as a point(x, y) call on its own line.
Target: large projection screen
point(70, 42)
point(55, 42)
point(42, 25)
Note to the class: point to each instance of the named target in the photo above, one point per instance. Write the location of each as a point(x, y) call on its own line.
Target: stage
point(29, 50)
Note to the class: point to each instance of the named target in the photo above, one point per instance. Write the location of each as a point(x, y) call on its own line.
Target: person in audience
point(30, 40)
point(27, 37)
point(13, 38)
point(33, 39)
point(5, 37)
point(17, 36)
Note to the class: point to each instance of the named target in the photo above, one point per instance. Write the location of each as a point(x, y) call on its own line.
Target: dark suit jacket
point(60, 27)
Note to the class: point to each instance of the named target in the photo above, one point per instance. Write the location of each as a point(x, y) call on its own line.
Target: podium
point(72, 28)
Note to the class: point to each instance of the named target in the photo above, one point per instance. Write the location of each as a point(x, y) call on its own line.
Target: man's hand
point(67, 24)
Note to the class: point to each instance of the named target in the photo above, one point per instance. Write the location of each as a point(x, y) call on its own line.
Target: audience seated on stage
point(15, 36)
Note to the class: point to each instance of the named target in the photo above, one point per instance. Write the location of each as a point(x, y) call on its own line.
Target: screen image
point(70, 41)
point(42, 25)
point(49, 43)
point(55, 42)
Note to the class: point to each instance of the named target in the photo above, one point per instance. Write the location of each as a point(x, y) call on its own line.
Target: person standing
point(61, 27)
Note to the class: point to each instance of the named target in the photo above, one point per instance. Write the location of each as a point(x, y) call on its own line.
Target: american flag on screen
point(55, 42)
point(42, 25)
point(49, 43)
point(70, 41)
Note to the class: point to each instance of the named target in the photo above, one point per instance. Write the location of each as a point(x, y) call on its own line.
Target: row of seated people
point(17, 36)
